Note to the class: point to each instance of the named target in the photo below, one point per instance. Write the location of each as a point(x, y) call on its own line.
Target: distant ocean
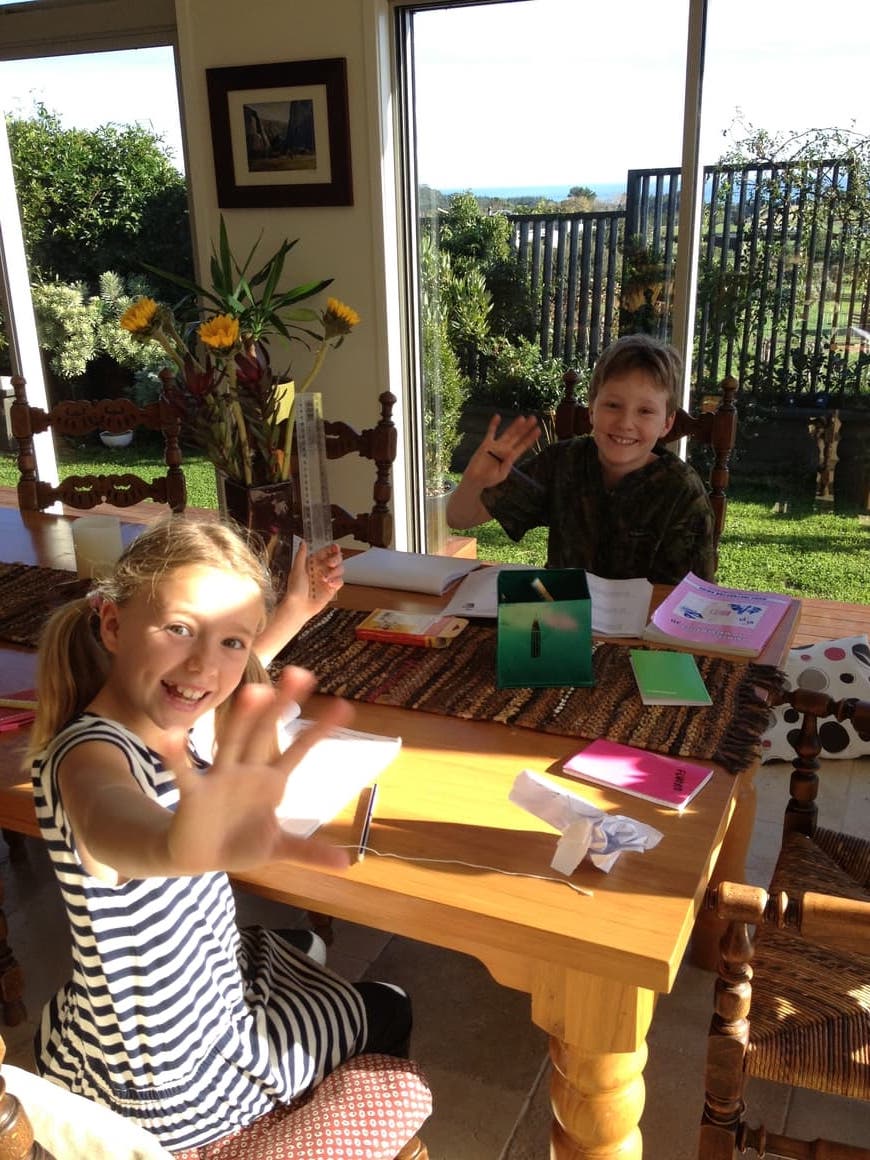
point(605, 190)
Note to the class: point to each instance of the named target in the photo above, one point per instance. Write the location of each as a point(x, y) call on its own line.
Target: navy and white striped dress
point(173, 1017)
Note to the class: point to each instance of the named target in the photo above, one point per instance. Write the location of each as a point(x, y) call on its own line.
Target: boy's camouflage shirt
point(657, 522)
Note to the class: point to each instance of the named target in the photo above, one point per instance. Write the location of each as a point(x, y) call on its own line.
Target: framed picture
point(280, 134)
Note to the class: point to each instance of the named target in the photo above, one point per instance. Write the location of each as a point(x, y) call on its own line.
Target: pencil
point(367, 823)
point(8, 703)
point(538, 586)
point(497, 458)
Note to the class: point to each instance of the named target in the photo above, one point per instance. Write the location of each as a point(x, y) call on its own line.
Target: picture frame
point(281, 134)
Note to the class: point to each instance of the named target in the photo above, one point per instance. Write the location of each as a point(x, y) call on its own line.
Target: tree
point(581, 192)
point(96, 200)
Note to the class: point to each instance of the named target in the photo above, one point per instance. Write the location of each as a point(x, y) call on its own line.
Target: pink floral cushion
point(367, 1109)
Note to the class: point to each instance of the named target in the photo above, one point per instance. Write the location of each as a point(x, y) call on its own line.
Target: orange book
point(421, 629)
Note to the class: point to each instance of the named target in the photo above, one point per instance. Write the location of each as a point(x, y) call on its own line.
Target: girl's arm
point(299, 604)
point(225, 818)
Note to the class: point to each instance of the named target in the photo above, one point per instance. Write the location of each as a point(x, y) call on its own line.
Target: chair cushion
point(367, 1109)
point(810, 1014)
point(74, 1128)
point(840, 668)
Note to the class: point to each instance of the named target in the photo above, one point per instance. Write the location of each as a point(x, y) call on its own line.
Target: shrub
point(518, 379)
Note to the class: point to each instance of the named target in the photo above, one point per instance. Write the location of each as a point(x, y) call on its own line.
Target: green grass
point(144, 457)
point(805, 552)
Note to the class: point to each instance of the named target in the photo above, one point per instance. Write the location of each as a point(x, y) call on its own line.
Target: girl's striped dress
point(173, 1016)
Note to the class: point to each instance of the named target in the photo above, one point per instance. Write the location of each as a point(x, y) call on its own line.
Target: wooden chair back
point(716, 429)
point(379, 444)
point(78, 418)
point(791, 1011)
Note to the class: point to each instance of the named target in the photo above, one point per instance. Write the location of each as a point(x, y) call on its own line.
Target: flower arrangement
point(238, 409)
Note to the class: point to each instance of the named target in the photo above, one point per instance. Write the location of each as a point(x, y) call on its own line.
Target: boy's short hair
point(641, 352)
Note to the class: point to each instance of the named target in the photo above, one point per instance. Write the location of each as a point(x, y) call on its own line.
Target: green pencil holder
point(543, 642)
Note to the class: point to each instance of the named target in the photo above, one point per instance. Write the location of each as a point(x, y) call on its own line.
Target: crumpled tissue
point(585, 828)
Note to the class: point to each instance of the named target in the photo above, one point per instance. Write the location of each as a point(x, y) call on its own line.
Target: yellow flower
point(338, 319)
point(220, 333)
point(141, 317)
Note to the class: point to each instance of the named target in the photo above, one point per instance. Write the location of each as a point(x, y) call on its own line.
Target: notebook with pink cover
point(667, 781)
point(704, 615)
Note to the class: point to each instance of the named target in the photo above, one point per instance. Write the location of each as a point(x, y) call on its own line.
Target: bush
point(518, 379)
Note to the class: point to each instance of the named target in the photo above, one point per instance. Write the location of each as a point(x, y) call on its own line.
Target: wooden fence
point(783, 279)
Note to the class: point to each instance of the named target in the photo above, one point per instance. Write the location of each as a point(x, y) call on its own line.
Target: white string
point(472, 866)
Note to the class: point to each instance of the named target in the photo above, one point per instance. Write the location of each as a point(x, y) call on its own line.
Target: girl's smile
point(178, 650)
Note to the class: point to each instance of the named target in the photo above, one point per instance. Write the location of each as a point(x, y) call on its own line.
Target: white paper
point(619, 607)
point(330, 775)
point(409, 571)
point(586, 830)
point(477, 595)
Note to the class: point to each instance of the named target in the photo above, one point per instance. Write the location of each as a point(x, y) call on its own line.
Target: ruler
point(311, 458)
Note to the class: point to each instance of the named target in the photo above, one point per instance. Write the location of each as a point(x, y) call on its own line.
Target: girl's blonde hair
point(73, 665)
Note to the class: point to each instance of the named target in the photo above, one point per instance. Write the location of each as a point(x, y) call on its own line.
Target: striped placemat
point(459, 681)
point(28, 595)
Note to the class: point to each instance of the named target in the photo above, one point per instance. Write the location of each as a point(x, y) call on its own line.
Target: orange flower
point(220, 333)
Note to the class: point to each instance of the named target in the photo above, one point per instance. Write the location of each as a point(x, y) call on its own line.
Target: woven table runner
point(459, 681)
point(28, 596)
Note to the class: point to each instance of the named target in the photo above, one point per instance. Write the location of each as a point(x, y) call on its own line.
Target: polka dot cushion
point(840, 668)
point(367, 1109)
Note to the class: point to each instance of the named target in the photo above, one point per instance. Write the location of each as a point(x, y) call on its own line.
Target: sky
point(545, 91)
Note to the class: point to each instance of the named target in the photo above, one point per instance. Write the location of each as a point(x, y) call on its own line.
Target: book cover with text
point(731, 620)
point(667, 781)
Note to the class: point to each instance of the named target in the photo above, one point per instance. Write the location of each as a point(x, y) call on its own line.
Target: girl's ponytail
point(71, 669)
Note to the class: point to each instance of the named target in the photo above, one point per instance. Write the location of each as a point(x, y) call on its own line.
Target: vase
point(269, 509)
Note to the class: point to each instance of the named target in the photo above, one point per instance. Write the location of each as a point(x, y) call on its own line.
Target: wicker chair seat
point(367, 1109)
point(804, 1031)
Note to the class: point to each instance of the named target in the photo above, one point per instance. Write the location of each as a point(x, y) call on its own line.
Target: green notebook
point(668, 678)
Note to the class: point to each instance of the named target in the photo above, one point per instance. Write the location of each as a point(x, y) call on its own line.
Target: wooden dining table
point(457, 864)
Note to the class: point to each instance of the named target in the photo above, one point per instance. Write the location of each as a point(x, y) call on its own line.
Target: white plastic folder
point(330, 775)
point(409, 571)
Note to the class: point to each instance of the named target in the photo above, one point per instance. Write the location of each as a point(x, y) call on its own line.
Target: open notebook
point(331, 775)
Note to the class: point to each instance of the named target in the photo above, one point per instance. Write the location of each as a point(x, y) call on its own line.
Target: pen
point(367, 823)
point(11, 703)
point(497, 458)
point(538, 586)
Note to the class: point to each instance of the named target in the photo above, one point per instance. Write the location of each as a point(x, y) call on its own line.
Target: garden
point(480, 351)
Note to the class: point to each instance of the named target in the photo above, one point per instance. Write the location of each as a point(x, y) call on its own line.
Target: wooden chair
point(806, 971)
point(715, 429)
point(78, 418)
point(370, 1108)
point(378, 443)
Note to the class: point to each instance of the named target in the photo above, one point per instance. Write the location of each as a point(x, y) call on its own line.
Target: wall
point(347, 243)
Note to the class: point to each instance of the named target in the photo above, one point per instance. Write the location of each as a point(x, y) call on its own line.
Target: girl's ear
point(109, 625)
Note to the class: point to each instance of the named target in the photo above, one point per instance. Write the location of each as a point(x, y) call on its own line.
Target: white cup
point(97, 543)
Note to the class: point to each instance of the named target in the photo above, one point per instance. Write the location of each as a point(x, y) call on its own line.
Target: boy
point(616, 503)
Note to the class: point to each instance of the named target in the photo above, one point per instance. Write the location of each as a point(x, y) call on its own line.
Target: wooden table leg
point(11, 976)
point(597, 1104)
point(597, 1030)
point(730, 867)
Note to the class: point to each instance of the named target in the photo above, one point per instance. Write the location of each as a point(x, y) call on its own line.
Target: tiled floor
point(486, 1063)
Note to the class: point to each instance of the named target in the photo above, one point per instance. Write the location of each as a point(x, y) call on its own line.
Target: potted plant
point(236, 408)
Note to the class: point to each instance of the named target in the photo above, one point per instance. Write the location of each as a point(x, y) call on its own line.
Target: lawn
point(804, 552)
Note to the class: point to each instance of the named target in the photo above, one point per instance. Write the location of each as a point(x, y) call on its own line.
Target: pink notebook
point(667, 781)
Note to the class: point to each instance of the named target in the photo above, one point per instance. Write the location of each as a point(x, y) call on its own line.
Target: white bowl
point(122, 439)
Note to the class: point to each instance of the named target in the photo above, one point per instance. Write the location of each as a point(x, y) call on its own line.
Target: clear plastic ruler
point(313, 488)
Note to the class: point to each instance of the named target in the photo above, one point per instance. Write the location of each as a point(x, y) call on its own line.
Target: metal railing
point(783, 280)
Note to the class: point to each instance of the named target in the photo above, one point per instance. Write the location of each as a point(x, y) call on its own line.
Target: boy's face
point(629, 416)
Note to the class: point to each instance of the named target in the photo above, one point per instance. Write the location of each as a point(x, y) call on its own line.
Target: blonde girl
point(173, 1016)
